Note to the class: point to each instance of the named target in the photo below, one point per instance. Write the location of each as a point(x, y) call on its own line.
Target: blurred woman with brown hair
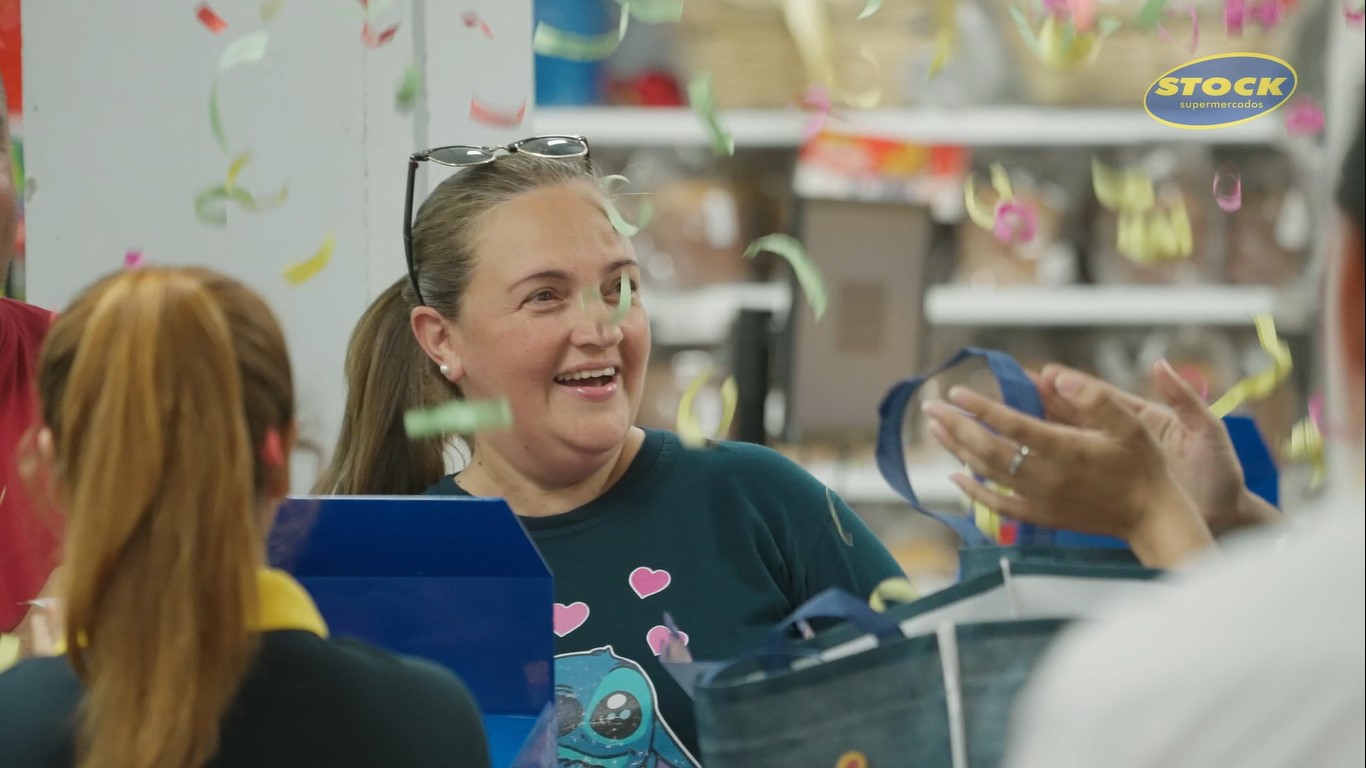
point(167, 423)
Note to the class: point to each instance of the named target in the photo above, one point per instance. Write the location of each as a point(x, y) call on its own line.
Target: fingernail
point(958, 394)
point(1067, 384)
point(1167, 368)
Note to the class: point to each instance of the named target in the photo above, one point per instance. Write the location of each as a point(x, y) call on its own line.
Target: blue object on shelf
point(561, 82)
point(453, 580)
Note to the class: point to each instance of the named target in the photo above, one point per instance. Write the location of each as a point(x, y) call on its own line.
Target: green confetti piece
point(623, 302)
point(458, 417)
point(1026, 31)
point(270, 9)
point(211, 205)
point(653, 11)
point(409, 91)
point(704, 104)
point(1069, 36)
point(244, 50)
point(787, 246)
point(551, 41)
point(1151, 13)
point(870, 8)
point(216, 119)
point(1108, 25)
point(619, 222)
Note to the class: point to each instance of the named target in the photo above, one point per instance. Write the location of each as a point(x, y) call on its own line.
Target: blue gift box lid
point(453, 580)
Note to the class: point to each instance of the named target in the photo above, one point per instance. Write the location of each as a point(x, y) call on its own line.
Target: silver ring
point(1017, 460)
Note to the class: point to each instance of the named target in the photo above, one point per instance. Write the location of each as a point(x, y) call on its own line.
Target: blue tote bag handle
point(831, 604)
point(1017, 391)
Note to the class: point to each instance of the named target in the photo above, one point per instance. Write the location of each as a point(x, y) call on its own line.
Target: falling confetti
point(270, 9)
point(473, 21)
point(1058, 44)
point(1353, 12)
point(245, 50)
point(653, 11)
point(216, 119)
point(813, 285)
point(550, 41)
point(619, 222)
point(623, 301)
point(303, 271)
point(372, 40)
point(1259, 385)
point(817, 100)
point(458, 417)
point(1129, 189)
point(409, 91)
point(235, 169)
point(1016, 223)
point(703, 102)
point(211, 205)
point(1150, 15)
point(1230, 198)
point(211, 21)
point(898, 589)
point(132, 259)
point(872, 95)
point(498, 118)
point(945, 36)
point(1304, 118)
point(869, 8)
point(688, 427)
point(835, 515)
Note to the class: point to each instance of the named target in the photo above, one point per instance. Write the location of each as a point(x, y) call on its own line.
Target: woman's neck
point(490, 473)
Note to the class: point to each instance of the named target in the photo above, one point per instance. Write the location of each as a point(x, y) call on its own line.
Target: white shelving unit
point(861, 483)
point(1098, 305)
point(979, 126)
point(703, 317)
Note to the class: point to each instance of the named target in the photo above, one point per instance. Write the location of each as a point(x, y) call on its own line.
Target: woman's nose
point(593, 326)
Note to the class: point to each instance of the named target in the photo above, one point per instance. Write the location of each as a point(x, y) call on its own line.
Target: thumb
point(1185, 402)
point(1093, 407)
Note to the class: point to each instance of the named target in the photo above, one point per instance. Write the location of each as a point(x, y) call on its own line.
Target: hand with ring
point(1095, 469)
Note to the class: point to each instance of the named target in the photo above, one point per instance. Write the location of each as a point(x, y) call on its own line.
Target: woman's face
point(535, 327)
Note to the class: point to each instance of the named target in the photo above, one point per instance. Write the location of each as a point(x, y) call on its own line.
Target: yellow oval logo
point(1221, 90)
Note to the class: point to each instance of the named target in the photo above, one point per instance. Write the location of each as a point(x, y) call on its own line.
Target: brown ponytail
point(159, 385)
point(387, 373)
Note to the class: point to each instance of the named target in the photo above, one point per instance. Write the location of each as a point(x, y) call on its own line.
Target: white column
point(117, 136)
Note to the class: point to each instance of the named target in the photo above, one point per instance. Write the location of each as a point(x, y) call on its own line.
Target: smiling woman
point(529, 294)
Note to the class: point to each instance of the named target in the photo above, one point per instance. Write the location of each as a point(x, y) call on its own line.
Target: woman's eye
point(542, 296)
point(615, 287)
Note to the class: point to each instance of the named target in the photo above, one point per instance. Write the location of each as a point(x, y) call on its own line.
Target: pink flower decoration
point(1016, 223)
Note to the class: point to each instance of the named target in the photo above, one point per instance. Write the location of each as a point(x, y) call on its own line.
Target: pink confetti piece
point(372, 40)
point(473, 21)
point(132, 259)
point(1353, 12)
point(1016, 223)
point(1268, 13)
point(1231, 198)
point(1059, 8)
point(1304, 118)
point(816, 100)
point(211, 20)
point(496, 117)
point(1083, 13)
point(1234, 12)
point(1316, 410)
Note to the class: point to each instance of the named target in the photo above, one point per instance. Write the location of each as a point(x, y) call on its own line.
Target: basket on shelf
point(749, 49)
point(1130, 59)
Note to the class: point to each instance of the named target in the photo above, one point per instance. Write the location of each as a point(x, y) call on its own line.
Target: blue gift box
point(455, 581)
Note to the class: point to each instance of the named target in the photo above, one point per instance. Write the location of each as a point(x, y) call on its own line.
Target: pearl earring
point(445, 370)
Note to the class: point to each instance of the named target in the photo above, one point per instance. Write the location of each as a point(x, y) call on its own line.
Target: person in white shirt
point(1257, 656)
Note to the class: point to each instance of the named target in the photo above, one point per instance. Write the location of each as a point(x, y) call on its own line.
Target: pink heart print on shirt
point(659, 636)
point(569, 617)
point(647, 581)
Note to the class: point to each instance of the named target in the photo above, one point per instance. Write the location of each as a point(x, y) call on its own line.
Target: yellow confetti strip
point(458, 417)
point(270, 9)
point(835, 515)
point(238, 163)
point(896, 589)
point(1126, 190)
point(980, 214)
point(688, 427)
point(1259, 385)
point(1305, 445)
point(623, 301)
point(550, 41)
point(303, 271)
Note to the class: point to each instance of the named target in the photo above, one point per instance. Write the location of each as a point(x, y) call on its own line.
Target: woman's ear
point(440, 339)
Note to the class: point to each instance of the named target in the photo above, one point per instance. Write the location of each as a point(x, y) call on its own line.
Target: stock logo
point(1221, 90)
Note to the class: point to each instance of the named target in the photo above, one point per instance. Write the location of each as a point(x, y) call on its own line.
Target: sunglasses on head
point(464, 156)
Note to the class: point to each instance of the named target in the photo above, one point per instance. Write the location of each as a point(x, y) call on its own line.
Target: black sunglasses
point(464, 156)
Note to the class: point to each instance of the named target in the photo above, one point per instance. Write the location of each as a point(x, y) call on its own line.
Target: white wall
point(117, 136)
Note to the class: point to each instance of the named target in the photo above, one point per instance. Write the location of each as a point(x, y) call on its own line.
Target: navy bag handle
point(833, 603)
point(1017, 391)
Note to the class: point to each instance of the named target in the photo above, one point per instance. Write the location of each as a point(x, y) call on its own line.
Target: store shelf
point(1093, 306)
point(861, 483)
point(982, 126)
point(704, 316)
